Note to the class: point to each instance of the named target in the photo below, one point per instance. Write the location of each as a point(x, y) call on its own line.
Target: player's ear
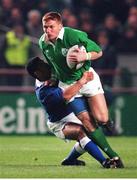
point(60, 26)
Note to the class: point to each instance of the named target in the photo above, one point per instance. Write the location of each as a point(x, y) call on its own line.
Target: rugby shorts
point(90, 89)
point(57, 127)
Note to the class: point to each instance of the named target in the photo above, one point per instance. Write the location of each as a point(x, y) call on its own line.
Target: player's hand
point(78, 56)
point(87, 76)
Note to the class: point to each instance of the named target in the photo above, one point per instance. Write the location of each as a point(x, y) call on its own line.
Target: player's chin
point(52, 37)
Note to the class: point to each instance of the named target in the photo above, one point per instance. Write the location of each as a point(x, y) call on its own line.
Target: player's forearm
point(94, 55)
point(72, 90)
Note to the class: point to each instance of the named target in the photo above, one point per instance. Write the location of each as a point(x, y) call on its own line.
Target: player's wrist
point(88, 56)
point(80, 83)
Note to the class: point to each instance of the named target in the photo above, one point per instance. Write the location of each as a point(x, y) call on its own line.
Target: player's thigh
point(73, 131)
point(98, 107)
point(93, 87)
point(87, 121)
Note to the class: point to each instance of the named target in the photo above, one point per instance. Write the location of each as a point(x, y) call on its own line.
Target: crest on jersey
point(64, 51)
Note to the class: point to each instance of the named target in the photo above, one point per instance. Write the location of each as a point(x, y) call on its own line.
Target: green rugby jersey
point(55, 54)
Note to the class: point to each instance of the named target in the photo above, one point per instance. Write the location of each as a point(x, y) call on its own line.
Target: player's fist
point(77, 56)
point(87, 76)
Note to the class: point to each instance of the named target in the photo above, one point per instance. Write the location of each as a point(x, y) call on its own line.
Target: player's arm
point(81, 56)
point(73, 89)
point(93, 51)
point(93, 55)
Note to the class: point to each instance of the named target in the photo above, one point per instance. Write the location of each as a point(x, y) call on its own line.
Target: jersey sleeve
point(82, 38)
point(88, 43)
point(40, 42)
point(57, 96)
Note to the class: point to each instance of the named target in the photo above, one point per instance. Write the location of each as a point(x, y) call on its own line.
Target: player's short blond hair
point(52, 16)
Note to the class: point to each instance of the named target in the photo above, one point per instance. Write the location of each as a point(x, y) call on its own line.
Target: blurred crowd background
point(111, 23)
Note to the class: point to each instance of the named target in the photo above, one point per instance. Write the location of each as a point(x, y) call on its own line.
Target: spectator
point(88, 27)
point(85, 15)
point(15, 50)
point(26, 6)
point(113, 28)
point(15, 17)
point(34, 27)
point(133, 11)
point(131, 3)
point(72, 21)
point(43, 6)
point(132, 20)
point(6, 5)
point(128, 42)
point(66, 13)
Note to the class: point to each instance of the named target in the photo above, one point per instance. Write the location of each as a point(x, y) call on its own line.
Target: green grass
point(40, 157)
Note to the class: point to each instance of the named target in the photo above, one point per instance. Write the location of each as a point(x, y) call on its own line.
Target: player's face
point(52, 29)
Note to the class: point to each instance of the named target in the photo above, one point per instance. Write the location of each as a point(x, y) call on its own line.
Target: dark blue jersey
point(52, 100)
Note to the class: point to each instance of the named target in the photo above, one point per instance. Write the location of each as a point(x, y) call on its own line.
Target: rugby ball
point(71, 50)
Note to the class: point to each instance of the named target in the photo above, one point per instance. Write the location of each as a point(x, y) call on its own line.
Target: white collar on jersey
point(60, 36)
point(38, 83)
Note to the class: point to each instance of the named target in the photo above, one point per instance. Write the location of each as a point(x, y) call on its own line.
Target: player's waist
point(70, 79)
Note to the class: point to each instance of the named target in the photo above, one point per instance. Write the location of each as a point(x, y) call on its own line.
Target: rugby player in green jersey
point(54, 44)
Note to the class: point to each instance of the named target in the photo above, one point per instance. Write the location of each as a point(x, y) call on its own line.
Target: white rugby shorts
point(57, 127)
point(92, 88)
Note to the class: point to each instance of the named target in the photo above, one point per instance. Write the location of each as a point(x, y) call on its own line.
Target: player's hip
point(92, 88)
point(57, 127)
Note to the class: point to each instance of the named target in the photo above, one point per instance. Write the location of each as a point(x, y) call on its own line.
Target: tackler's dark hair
point(34, 64)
